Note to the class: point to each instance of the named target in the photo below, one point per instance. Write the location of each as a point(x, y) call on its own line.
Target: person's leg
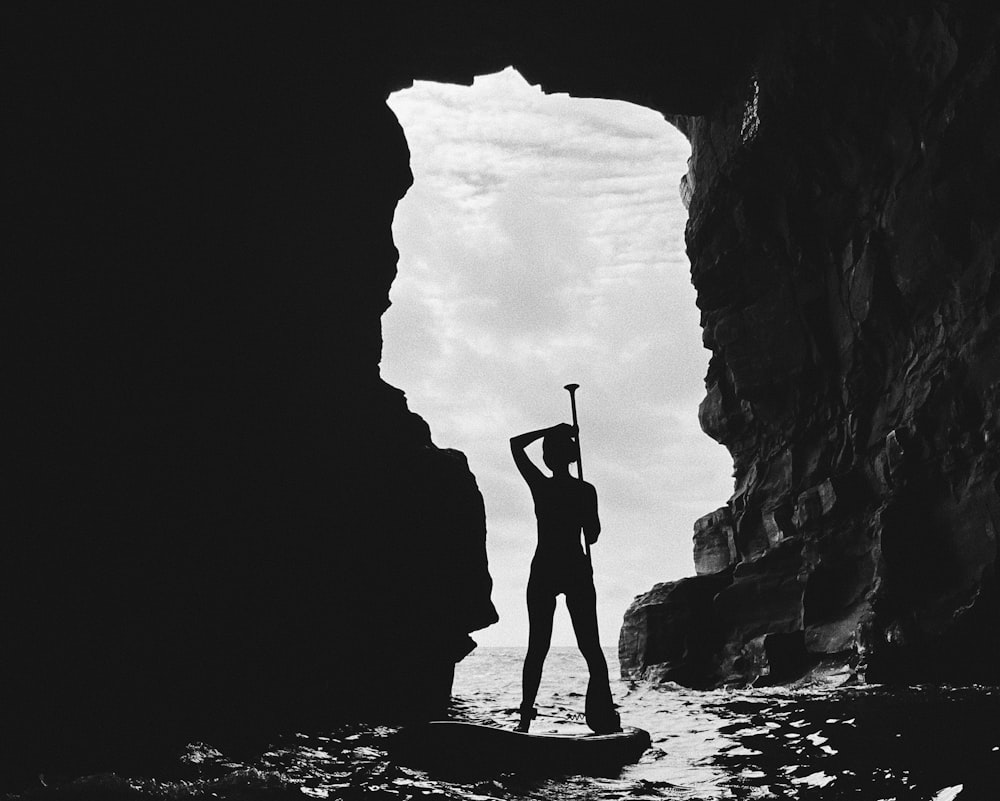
point(541, 609)
point(600, 708)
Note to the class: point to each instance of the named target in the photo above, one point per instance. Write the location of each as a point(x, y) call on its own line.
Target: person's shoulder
point(536, 479)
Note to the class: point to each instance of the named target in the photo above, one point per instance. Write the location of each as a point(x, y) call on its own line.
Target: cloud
point(542, 243)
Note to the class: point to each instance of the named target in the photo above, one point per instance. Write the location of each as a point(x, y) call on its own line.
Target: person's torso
point(561, 507)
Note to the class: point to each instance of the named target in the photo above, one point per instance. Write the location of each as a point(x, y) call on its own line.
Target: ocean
point(808, 742)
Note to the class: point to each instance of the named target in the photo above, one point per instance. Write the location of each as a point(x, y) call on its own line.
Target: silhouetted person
point(564, 506)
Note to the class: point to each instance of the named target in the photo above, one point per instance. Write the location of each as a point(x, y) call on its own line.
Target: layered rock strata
point(844, 238)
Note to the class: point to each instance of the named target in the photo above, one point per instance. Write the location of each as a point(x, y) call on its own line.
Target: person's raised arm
point(529, 471)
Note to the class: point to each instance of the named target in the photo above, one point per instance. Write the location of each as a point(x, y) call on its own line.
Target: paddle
point(572, 388)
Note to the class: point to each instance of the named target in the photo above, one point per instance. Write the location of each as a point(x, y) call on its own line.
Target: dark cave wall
point(222, 523)
point(844, 232)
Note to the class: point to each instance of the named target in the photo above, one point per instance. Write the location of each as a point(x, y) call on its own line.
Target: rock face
point(671, 632)
point(222, 522)
point(844, 233)
point(714, 542)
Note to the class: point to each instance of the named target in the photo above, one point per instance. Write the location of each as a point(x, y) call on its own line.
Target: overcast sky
point(542, 243)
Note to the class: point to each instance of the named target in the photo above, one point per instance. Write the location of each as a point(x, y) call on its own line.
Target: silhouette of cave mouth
point(467, 112)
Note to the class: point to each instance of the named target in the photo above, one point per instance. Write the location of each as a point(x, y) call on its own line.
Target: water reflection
point(863, 743)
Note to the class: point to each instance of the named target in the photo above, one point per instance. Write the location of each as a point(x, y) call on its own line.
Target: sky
point(542, 244)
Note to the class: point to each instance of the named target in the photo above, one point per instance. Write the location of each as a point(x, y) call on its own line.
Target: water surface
point(813, 742)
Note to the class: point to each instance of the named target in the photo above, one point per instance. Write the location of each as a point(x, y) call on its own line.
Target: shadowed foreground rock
point(844, 233)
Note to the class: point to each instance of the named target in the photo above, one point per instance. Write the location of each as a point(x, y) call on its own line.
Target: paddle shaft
point(572, 388)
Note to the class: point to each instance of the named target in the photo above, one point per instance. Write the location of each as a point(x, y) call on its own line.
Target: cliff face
point(844, 232)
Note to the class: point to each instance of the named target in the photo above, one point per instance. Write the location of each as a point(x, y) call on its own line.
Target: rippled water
point(808, 743)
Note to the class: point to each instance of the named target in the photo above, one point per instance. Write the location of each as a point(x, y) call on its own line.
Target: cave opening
point(542, 242)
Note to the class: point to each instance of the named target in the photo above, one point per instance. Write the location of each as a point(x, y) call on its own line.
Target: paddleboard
point(460, 748)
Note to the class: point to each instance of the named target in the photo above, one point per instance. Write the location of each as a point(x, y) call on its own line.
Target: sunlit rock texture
point(844, 236)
